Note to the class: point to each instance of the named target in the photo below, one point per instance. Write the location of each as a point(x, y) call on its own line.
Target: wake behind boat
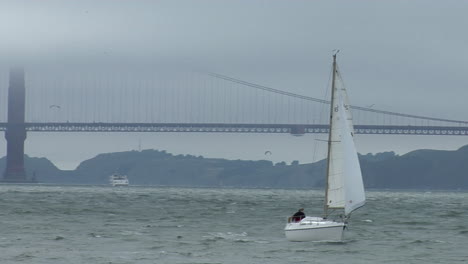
point(344, 191)
point(118, 180)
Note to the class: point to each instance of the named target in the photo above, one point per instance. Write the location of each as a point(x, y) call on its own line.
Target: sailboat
point(344, 190)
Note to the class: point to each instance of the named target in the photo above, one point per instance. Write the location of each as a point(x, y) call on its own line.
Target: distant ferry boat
point(118, 180)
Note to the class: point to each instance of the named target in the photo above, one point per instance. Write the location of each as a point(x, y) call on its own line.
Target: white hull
point(315, 229)
point(116, 184)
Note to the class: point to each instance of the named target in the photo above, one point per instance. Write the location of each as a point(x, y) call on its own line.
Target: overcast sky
point(403, 56)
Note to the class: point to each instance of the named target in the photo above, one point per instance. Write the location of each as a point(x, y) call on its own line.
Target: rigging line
point(261, 87)
point(320, 117)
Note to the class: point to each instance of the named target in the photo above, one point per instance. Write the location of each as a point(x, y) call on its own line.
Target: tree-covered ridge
point(420, 169)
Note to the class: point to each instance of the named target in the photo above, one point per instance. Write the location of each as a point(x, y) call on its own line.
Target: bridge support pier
point(15, 133)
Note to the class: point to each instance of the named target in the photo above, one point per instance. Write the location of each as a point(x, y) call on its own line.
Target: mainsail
point(345, 189)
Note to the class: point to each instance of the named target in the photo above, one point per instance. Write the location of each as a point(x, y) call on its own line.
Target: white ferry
point(118, 180)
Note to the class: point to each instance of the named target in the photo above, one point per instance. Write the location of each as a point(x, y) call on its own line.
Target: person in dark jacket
point(299, 215)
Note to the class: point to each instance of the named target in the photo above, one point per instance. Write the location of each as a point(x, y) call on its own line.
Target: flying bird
point(56, 106)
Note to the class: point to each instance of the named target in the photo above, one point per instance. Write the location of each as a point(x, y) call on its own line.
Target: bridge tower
point(15, 133)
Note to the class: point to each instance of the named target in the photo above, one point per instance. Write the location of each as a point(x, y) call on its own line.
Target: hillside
point(421, 169)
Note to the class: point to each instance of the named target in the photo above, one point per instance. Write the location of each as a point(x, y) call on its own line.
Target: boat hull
point(118, 180)
point(315, 229)
point(119, 184)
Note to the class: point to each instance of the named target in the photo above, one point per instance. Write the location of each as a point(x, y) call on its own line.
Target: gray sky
point(403, 56)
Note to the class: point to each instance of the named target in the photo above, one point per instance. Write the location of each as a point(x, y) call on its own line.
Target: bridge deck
point(295, 129)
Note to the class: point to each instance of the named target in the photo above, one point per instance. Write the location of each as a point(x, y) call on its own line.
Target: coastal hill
point(420, 169)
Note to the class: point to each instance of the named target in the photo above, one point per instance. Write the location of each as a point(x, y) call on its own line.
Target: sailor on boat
point(298, 216)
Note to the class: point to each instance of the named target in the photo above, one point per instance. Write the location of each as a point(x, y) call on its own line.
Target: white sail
point(344, 100)
point(335, 181)
point(345, 187)
point(353, 186)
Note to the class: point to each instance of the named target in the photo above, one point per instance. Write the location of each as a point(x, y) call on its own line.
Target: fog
point(401, 56)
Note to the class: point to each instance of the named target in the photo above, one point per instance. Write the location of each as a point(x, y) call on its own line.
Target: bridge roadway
point(295, 129)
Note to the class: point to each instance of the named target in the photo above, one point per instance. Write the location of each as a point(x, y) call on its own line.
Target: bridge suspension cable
point(277, 91)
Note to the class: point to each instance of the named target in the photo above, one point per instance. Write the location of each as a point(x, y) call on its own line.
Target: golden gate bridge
point(196, 102)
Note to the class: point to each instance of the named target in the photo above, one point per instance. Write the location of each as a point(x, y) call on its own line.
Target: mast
point(325, 206)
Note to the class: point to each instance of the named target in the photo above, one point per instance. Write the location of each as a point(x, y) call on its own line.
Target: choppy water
point(69, 224)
